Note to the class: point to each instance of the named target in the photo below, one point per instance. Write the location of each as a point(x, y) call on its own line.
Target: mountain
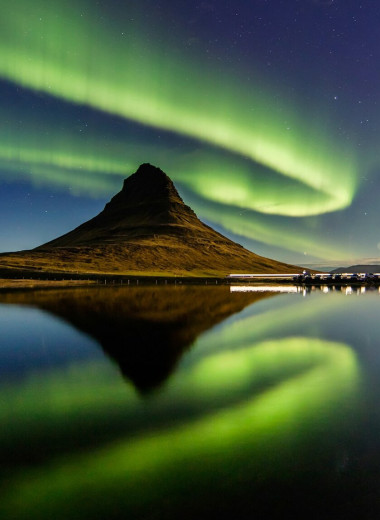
point(145, 229)
point(147, 206)
point(367, 268)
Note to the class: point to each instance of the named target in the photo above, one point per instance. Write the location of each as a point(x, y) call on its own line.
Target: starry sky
point(265, 114)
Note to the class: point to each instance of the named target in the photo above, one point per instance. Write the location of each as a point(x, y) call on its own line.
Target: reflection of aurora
point(273, 321)
point(308, 378)
point(293, 173)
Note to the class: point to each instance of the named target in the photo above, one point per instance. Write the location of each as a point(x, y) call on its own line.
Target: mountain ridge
point(358, 268)
point(146, 228)
point(147, 202)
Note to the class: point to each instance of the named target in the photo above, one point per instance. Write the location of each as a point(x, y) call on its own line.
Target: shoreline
point(27, 278)
point(46, 281)
point(41, 284)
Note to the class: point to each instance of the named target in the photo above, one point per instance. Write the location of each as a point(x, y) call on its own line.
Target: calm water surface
point(189, 402)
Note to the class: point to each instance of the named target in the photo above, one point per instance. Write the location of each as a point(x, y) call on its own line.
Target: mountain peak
point(150, 169)
point(147, 227)
point(148, 185)
point(147, 205)
point(149, 174)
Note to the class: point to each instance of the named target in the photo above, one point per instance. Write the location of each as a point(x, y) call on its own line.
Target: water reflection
point(266, 409)
point(305, 289)
point(145, 330)
point(242, 438)
point(265, 288)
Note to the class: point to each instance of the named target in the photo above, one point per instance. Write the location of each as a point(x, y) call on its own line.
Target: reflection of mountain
point(144, 329)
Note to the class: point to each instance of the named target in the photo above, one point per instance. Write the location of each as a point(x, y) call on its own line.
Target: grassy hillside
point(145, 229)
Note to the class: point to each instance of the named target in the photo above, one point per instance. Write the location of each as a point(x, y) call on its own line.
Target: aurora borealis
point(265, 117)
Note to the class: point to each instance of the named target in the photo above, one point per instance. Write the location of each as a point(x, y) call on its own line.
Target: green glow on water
point(50, 397)
point(312, 377)
point(278, 321)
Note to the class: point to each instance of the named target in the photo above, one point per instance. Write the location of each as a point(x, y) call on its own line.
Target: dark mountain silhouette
point(145, 229)
point(147, 206)
point(361, 268)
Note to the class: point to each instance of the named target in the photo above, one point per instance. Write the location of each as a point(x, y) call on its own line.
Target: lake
point(190, 402)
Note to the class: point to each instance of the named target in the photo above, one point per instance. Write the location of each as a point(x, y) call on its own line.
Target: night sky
point(265, 114)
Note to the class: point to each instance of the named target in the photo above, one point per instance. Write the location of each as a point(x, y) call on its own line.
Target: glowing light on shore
point(265, 288)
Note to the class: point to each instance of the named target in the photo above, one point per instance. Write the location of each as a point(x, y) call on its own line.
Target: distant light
point(265, 288)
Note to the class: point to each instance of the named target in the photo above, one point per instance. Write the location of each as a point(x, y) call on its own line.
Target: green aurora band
point(85, 175)
point(94, 165)
point(62, 49)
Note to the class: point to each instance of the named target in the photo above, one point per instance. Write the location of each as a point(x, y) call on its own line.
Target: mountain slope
point(147, 205)
point(145, 229)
